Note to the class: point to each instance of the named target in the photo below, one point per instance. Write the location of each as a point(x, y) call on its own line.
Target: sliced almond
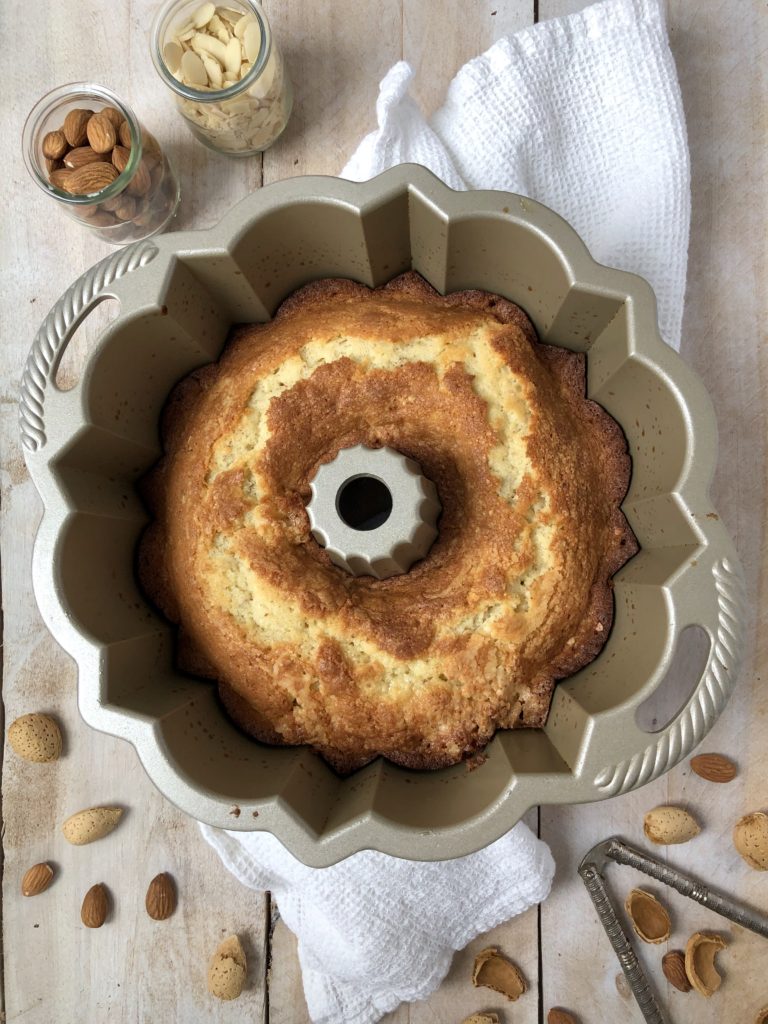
point(649, 917)
point(666, 826)
point(700, 955)
point(232, 57)
point(212, 70)
point(252, 41)
point(242, 24)
point(203, 14)
point(493, 970)
point(193, 70)
point(202, 43)
point(172, 54)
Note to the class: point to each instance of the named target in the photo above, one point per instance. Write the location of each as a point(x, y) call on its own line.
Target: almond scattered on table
point(700, 953)
point(673, 966)
point(650, 918)
point(36, 879)
point(666, 826)
point(558, 1016)
point(227, 970)
point(36, 738)
point(495, 971)
point(161, 897)
point(714, 767)
point(91, 824)
point(482, 1018)
point(750, 837)
point(93, 912)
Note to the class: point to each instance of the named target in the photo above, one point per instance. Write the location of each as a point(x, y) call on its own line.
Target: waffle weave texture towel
point(582, 113)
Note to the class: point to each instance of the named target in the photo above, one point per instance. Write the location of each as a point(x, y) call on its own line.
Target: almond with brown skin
point(141, 182)
point(93, 912)
point(126, 208)
point(120, 157)
point(124, 134)
point(673, 966)
point(60, 177)
point(36, 879)
point(82, 155)
point(101, 134)
point(90, 178)
point(714, 767)
point(558, 1016)
point(161, 897)
point(75, 126)
point(55, 145)
point(114, 115)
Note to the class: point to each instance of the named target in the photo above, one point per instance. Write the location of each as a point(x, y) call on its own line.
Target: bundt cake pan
point(179, 294)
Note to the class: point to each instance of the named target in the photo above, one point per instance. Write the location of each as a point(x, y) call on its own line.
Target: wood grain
point(134, 969)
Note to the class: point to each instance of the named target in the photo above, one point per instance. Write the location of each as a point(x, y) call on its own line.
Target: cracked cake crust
point(514, 594)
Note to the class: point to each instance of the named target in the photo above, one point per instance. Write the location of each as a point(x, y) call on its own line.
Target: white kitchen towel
point(375, 931)
point(582, 113)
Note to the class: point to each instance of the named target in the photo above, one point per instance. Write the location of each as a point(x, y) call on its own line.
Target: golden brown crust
point(515, 593)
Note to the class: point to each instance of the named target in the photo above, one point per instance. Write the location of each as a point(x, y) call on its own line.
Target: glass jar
point(226, 72)
point(115, 180)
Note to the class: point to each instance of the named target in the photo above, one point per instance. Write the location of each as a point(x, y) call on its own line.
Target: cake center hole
point(364, 502)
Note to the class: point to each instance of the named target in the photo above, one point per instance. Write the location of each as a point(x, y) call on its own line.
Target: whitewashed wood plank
point(717, 57)
point(132, 969)
point(336, 54)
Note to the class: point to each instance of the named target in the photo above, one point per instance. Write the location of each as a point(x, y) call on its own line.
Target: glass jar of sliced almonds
point(85, 148)
point(226, 71)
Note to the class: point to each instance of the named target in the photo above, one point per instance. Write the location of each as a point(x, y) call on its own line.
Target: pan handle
point(57, 329)
point(722, 615)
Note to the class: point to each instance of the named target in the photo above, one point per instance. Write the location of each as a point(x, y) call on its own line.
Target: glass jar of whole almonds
point(226, 72)
point(85, 148)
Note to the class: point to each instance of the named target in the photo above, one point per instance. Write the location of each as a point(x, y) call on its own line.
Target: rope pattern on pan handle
point(57, 329)
point(710, 697)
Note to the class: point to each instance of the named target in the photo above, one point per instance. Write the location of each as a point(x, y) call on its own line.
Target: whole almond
point(82, 155)
point(90, 178)
point(101, 133)
point(89, 825)
point(124, 134)
point(75, 126)
point(713, 767)
point(55, 145)
point(227, 970)
point(482, 1018)
point(558, 1016)
point(673, 966)
point(750, 837)
point(161, 897)
point(52, 165)
point(666, 826)
point(93, 912)
point(120, 158)
point(36, 737)
point(113, 115)
point(36, 879)
point(60, 177)
point(141, 182)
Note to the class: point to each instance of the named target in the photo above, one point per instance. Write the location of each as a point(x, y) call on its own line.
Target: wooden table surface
point(135, 970)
